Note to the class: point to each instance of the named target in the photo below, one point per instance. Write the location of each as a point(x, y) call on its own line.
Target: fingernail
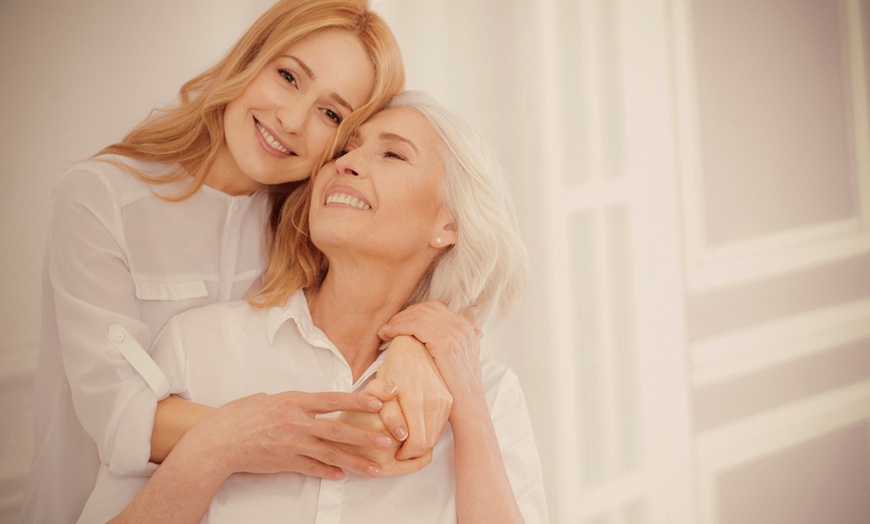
point(374, 471)
point(389, 389)
point(384, 442)
point(402, 433)
point(383, 329)
point(338, 475)
point(375, 404)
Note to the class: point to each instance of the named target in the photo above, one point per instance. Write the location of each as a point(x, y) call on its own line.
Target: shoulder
point(219, 328)
point(218, 317)
point(105, 177)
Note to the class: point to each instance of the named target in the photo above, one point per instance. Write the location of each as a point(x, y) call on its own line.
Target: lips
point(271, 141)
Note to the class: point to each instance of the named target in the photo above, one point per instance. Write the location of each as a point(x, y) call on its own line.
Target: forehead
point(405, 122)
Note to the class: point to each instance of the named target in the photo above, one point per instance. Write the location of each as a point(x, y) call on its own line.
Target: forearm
point(483, 491)
point(182, 487)
point(174, 417)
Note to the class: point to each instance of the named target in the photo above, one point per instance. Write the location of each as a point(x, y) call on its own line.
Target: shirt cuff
point(131, 452)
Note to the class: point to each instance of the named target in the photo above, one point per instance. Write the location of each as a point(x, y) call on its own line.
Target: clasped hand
point(283, 432)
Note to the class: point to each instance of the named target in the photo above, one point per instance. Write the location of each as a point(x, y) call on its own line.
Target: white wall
point(692, 178)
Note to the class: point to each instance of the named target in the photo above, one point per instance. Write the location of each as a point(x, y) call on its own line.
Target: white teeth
point(271, 140)
point(343, 198)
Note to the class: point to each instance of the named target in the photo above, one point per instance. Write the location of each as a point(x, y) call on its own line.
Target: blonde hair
point(191, 132)
point(484, 271)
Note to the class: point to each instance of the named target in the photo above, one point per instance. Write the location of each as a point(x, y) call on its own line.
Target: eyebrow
point(393, 137)
point(335, 96)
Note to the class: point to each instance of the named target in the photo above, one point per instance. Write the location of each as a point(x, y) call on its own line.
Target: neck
point(350, 306)
point(225, 176)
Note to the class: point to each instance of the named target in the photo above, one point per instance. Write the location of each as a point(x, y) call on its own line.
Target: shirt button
point(222, 286)
point(118, 337)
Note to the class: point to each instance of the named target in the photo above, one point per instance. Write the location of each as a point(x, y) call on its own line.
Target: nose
point(293, 117)
point(349, 164)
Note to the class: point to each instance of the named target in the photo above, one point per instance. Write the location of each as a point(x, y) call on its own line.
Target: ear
point(444, 234)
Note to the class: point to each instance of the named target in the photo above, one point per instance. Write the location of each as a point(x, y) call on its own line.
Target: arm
point(98, 324)
point(483, 489)
point(235, 438)
point(174, 417)
point(259, 433)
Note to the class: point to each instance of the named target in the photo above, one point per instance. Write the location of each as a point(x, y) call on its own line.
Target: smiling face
point(280, 126)
point(382, 198)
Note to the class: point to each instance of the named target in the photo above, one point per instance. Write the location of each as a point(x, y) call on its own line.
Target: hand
point(423, 399)
point(387, 458)
point(451, 341)
point(280, 433)
point(418, 416)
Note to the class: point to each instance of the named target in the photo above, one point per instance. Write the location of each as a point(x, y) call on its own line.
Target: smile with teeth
point(350, 200)
point(271, 140)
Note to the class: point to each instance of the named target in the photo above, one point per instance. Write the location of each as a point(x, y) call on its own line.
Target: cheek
point(320, 136)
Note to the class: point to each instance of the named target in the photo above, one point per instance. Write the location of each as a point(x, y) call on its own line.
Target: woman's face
point(382, 197)
point(278, 129)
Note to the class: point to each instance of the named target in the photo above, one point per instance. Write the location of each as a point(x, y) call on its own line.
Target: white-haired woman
point(411, 213)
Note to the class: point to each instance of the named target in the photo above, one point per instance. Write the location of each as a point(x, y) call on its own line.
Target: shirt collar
point(296, 309)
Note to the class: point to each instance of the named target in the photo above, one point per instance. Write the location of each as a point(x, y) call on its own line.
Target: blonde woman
point(412, 213)
point(178, 215)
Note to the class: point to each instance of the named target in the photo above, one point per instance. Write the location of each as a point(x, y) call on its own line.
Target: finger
point(332, 401)
point(394, 420)
point(400, 467)
point(334, 456)
point(425, 425)
point(315, 468)
point(429, 325)
point(383, 391)
point(424, 329)
point(341, 433)
point(432, 314)
point(417, 442)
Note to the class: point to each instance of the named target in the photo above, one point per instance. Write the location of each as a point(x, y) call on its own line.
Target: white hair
point(486, 268)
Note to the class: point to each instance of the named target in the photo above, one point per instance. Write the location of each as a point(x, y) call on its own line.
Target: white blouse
point(222, 352)
point(120, 262)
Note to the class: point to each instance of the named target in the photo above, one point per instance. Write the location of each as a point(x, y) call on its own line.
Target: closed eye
point(394, 155)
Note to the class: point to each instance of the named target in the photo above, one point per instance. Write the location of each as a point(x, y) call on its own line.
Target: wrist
point(204, 450)
point(469, 410)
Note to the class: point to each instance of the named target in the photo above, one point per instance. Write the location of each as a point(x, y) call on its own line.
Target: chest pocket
point(151, 290)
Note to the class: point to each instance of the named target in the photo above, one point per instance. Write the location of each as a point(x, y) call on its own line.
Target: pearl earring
point(439, 241)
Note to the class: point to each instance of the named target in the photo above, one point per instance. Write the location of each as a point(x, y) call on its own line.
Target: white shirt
point(119, 263)
point(222, 352)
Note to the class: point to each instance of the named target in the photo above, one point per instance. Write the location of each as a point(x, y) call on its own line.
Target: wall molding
point(778, 342)
point(723, 449)
point(710, 267)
